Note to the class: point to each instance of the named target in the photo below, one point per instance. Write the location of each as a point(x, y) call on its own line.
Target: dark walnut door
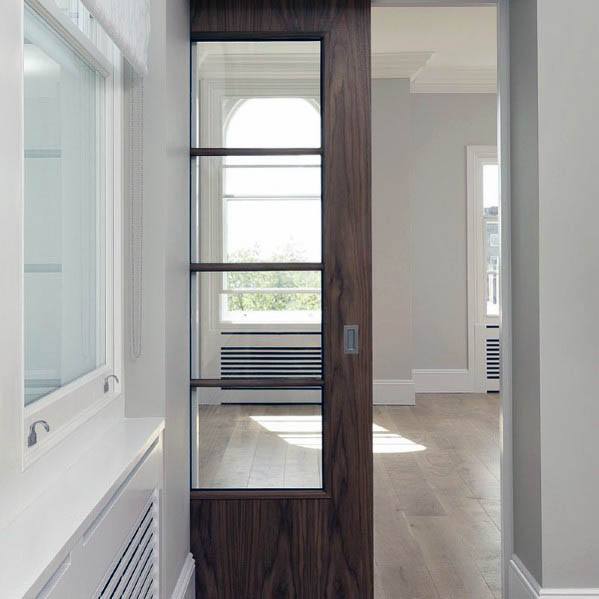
point(281, 394)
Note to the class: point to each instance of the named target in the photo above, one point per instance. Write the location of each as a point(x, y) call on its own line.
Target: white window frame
point(214, 94)
point(476, 158)
point(71, 405)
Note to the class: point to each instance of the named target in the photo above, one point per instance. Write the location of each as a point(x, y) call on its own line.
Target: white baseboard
point(389, 392)
point(522, 583)
point(185, 587)
point(524, 586)
point(458, 380)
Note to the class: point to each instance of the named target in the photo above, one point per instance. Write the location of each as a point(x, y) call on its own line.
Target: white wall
point(419, 225)
point(157, 383)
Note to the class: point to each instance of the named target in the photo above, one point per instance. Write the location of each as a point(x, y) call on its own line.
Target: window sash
point(69, 406)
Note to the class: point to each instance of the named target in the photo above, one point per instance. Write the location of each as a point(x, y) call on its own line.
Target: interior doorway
point(437, 301)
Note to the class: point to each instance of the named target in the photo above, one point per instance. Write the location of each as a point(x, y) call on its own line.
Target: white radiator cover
point(134, 572)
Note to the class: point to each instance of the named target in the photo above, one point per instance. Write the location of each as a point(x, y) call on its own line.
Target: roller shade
point(127, 22)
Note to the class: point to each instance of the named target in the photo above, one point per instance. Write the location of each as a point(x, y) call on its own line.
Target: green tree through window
point(283, 290)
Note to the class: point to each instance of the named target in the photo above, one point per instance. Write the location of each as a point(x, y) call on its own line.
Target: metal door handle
point(351, 339)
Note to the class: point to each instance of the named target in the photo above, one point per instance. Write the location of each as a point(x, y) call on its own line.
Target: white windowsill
point(33, 544)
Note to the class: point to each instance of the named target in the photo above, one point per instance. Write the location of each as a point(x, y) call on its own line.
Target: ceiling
point(452, 49)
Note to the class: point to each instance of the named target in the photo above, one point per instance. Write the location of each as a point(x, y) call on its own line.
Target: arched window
point(276, 122)
point(272, 211)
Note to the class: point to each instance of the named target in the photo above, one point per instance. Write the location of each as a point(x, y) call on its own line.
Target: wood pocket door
point(281, 498)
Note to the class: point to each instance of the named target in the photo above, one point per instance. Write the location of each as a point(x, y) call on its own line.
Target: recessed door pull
point(351, 341)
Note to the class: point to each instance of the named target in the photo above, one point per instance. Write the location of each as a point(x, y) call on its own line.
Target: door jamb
point(503, 150)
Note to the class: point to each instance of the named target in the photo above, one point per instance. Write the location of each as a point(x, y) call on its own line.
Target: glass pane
point(257, 325)
point(256, 94)
point(257, 209)
point(492, 252)
point(275, 444)
point(65, 287)
point(491, 189)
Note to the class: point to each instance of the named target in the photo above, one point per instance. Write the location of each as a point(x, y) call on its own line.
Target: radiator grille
point(493, 359)
point(270, 362)
point(134, 574)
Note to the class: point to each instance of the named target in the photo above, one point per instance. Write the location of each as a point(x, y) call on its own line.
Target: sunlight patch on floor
point(306, 431)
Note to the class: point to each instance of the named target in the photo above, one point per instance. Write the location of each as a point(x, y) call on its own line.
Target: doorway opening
point(436, 301)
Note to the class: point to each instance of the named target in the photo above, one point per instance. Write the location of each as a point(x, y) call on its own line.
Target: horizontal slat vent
point(135, 570)
point(271, 362)
point(493, 351)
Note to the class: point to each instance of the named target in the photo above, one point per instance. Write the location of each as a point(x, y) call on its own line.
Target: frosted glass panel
point(65, 265)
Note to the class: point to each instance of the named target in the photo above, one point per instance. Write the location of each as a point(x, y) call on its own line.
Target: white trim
point(443, 380)
point(476, 158)
point(522, 585)
point(455, 80)
point(399, 65)
point(570, 593)
point(87, 50)
point(441, 3)
point(289, 64)
point(388, 392)
point(185, 587)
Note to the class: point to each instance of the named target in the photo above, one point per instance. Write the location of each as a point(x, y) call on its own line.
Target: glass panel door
point(256, 261)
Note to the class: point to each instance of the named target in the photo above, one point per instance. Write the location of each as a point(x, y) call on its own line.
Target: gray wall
point(419, 224)
point(525, 287)
point(555, 289)
point(175, 203)
point(157, 383)
point(442, 126)
point(568, 80)
point(392, 230)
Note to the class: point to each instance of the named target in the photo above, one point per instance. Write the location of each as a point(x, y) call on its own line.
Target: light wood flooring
point(259, 446)
point(437, 511)
point(436, 484)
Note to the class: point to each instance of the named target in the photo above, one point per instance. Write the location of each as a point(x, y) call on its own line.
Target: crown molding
point(399, 65)
point(271, 65)
point(455, 80)
point(292, 65)
point(437, 3)
point(288, 65)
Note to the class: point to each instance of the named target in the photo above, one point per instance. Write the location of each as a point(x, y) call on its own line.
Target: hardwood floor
point(436, 484)
point(259, 446)
point(436, 511)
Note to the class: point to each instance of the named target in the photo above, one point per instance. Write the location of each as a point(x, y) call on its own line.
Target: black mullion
point(262, 383)
point(255, 266)
point(256, 152)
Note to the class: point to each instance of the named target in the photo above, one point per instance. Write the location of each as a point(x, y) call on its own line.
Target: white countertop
point(33, 544)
